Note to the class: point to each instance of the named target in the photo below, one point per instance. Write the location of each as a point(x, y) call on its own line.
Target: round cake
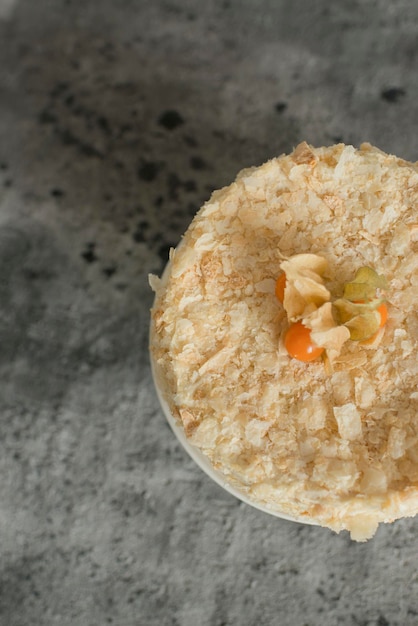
point(323, 240)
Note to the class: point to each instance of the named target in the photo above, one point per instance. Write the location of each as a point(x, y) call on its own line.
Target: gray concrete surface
point(117, 119)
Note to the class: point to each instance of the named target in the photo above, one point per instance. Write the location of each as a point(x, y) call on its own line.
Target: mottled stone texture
point(117, 120)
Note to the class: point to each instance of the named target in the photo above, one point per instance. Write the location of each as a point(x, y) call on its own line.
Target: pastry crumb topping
point(336, 445)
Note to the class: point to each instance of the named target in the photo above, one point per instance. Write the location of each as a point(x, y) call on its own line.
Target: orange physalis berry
point(299, 344)
point(383, 310)
point(280, 287)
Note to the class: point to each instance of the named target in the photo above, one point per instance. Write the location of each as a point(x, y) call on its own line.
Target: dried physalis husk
point(363, 326)
point(366, 286)
point(357, 309)
point(325, 332)
point(305, 290)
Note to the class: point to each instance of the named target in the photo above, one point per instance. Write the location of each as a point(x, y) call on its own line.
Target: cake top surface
point(339, 446)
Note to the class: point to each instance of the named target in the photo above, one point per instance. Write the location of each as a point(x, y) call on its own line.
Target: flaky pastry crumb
point(340, 447)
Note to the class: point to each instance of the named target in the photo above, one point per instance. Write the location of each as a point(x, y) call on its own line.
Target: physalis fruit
point(317, 324)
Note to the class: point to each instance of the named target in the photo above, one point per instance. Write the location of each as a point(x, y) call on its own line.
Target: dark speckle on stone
point(159, 201)
point(103, 123)
point(148, 171)
point(125, 128)
point(109, 271)
point(57, 193)
point(89, 254)
point(197, 163)
point(46, 117)
point(31, 274)
point(140, 233)
point(170, 119)
point(174, 183)
point(382, 621)
point(78, 111)
point(138, 236)
point(190, 185)
point(281, 107)
point(3, 166)
point(190, 141)
point(69, 139)
point(59, 89)
point(69, 100)
point(393, 94)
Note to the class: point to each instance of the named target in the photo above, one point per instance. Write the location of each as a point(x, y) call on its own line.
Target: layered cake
point(284, 336)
